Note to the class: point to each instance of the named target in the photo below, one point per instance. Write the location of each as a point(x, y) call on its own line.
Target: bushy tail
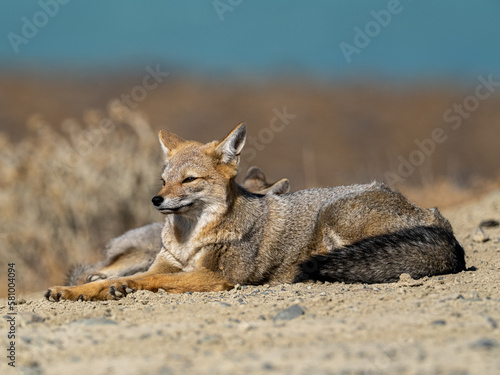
point(420, 251)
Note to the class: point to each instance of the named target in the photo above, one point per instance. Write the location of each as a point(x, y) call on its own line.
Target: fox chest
point(183, 242)
point(183, 255)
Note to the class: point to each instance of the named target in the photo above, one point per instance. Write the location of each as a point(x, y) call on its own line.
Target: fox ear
point(280, 187)
point(255, 173)
point(230, 147)
point(169, 141)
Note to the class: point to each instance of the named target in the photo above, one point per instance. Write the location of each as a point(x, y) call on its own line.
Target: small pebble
point(93, 321)
point(439, 322)
point(289, 313)
point(267, 366)
point(27, 317)
point(485, 344)
point(490, 223)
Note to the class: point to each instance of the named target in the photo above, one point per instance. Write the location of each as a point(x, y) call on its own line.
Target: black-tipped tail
point(420, 251)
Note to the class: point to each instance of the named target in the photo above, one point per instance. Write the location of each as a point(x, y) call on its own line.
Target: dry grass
point(444, 193)
point(63, 197)
point(67, 189)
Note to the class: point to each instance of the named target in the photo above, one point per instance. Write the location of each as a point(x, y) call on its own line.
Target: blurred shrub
point(63, 195)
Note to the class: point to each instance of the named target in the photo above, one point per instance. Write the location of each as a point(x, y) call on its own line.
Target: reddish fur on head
point(196, 172)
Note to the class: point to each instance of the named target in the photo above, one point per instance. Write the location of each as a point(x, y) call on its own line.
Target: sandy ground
point(439, 325)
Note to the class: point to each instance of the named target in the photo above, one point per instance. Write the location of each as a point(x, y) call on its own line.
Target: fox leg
point(99, 289)
point(201, 280)
point(161, 274)
point(94, 291)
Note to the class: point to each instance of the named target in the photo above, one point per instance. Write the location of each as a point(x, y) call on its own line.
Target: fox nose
point(157, 200)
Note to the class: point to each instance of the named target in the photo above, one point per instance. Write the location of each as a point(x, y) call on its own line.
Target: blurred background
point(332, 92)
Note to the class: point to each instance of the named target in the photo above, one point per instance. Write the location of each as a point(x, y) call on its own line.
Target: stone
point(289, 313)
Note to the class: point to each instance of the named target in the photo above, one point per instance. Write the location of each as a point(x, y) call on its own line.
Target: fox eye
point(189, 179)
point(163, 182)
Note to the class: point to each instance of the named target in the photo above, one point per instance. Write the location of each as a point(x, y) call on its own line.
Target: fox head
point(197, 176)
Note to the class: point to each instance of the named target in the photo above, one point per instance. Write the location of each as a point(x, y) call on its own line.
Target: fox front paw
point(95, 291)
point(61, 293)
point(121, 288)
